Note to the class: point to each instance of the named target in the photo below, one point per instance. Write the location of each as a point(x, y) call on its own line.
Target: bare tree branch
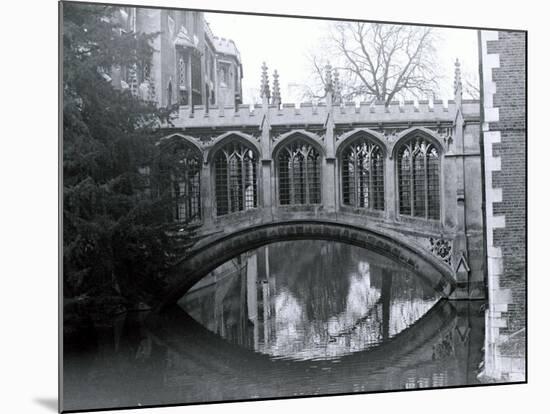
point(470, 85)
point(379, 62)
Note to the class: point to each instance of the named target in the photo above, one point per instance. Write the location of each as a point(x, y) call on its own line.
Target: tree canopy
point(115, 239)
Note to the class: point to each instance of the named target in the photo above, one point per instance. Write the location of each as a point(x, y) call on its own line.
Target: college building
point(190, 66)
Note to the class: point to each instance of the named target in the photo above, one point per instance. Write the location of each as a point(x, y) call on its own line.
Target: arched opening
point(418, 170)
point(223, 247)
point(362, 172)
point(180, 169)
point(299, 173)
point(235, 175)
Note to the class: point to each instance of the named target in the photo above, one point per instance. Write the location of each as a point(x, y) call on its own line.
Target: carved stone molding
point(206, 141)
point(442, 248)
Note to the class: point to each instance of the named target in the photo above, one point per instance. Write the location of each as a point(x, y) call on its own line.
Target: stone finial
point(337, 88)
point(329, 87)
point(458, 78)
point(264, 86)
point(276, 89)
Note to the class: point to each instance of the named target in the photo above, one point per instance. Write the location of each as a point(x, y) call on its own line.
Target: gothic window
point(181, 72)
point(299, 168)
point(418, 164)
point(181, 166)
point(207, 65)
point(182, 80)
point(236, 79)
point(146, 73)
point(196, 81)
point(362, 165)
point(235, 170)
point(211, 68)
point(132, 79)
point(223, 75)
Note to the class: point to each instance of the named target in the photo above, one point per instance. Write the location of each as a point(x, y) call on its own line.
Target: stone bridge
point(402, 179)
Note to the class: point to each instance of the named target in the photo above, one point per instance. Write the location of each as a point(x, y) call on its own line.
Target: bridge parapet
point(308, 113)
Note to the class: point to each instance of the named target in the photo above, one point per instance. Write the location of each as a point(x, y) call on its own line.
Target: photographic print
point(267, 206)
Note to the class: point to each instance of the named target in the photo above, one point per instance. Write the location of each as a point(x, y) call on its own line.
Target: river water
point(288, 319)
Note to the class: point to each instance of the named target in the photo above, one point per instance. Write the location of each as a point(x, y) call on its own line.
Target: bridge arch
point(214, 251)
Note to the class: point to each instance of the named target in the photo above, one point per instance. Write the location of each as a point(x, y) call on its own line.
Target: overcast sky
point(283, 43)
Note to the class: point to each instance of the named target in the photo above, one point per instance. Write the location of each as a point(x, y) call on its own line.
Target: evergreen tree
point(115, 241)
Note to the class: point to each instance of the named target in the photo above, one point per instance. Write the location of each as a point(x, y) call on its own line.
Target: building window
point(211, 68)
point(363, 174)
point(235, 171)
point(181, 73)
point(196, 82)
point(418, 164)
point(181, 165)
point(223, 75)
point(132, 79)
point(182, 81)
point(146, 73)
point(299, 169)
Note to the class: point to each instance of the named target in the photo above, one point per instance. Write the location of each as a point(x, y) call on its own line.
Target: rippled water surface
point(287, 319)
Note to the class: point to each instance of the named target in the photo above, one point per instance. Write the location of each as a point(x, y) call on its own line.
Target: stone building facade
point(503, 72)
point(190, 66)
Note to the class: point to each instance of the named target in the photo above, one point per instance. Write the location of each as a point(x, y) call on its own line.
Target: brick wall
point(509, 98)
point(504, 135)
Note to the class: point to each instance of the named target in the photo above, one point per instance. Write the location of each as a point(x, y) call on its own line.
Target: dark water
point(289, 319)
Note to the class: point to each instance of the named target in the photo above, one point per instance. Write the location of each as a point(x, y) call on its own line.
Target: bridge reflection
point(443, 348)
point(309, 299)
